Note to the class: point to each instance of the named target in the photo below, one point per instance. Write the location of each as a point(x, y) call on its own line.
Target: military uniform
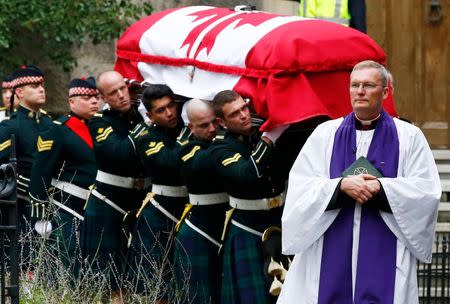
point(26, 126)
point(199, 237)
point(3, 114)
point(119, 189)
point(255, 189)
point(154, 228)
point(62, 172)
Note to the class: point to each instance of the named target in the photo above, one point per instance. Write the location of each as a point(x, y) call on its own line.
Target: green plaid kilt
point(150, 258)
point(243, 278)
point(65, 239)
point(104, 240)
point(198, 266)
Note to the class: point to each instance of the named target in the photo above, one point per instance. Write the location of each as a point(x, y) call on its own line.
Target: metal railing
point(434, 278)
point(9, 231)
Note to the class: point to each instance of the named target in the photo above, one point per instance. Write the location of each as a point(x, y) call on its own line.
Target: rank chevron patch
point(190, 154)
point(104, 134)
point(44, 145)
point(155, 148)
point(231, 160)
point(5, 144)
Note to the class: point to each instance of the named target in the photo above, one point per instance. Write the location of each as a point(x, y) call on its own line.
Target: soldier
point(119, 186)
point(26, 123)
point(157, 217)
point(243, 159)
point(7, 89)
point(199, 235)
point(66, 161)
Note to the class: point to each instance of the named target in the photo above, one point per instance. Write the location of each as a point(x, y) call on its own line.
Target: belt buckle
point(139, 183)
point(275, 202)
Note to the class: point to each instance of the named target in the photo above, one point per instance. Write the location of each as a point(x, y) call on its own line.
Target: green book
point(361, 166)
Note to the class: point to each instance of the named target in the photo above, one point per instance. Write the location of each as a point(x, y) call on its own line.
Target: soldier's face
point(367, 93)
point(236, 117)
point(115, 92)
point(164, 112)
point(32, 95)
point(84, 106)
point(6, 95)
point(204, 125)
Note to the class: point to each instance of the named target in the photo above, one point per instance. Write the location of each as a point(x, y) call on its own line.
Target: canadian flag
point(291, 68)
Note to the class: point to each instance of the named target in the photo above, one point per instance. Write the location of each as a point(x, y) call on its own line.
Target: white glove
point(275, 133)
point(44, 228)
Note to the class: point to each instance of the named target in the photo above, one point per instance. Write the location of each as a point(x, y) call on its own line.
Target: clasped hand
point(360, 187)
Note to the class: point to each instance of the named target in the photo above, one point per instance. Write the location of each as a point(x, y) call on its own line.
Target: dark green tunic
point(26, 126)
point(65, 156)
point(153, 235)
point(194, 252)
point(105, 234)
point(245, 164)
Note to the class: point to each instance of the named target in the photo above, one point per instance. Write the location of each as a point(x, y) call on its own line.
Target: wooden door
point(418, 55)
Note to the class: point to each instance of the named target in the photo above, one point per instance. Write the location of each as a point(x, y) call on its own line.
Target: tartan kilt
point(65, 239)
point(243, 278)
point(104, 240)
point(151, 250)
point(197, 266)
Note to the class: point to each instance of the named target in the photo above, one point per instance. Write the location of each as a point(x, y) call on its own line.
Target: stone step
point(442, 227)
point(445, 184)
point(441, 155)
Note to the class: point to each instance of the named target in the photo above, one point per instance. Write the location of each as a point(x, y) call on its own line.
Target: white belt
point(257, 204)
point(171, 191)
point(71, 189)
point(202, 233)
point(208, 199)
point(246, 228)
point(122, 181)
point(67, 209)
point(108, 201)
point(163, 210)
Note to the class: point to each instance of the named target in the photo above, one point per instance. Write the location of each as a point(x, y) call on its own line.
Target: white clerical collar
point(367, 122)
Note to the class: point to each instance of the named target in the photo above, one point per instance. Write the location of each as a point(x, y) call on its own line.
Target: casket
point(291, 68)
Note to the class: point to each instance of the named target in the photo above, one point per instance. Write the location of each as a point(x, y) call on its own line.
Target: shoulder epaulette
point(62, 119)
point(220, 135)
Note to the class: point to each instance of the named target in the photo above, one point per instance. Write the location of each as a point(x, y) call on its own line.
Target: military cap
point(82, 87)
point(7, 82)
point(29, 74)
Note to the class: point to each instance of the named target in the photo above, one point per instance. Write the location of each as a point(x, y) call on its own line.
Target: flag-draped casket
point(290, 67)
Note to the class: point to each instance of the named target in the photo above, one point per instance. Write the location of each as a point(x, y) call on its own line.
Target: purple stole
point(376, 266)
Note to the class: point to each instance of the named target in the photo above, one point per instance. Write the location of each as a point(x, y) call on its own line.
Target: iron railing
point(9, 232)
point(434, 278)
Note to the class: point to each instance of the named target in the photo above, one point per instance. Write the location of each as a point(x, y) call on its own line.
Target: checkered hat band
point(80, 91)
point(7, 84)
point(20, 81)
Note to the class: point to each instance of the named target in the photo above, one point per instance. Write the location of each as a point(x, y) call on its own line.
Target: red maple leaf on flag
point(219, 16)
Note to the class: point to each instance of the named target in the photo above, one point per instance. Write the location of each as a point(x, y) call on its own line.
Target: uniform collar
point(72, 114)
point(29, 113)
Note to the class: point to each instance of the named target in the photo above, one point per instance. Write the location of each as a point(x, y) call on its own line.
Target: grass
point(47, 277)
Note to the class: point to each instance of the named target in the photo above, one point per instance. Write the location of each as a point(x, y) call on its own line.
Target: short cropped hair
point(366, 64)
point(156, 91)
point(222, 98)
